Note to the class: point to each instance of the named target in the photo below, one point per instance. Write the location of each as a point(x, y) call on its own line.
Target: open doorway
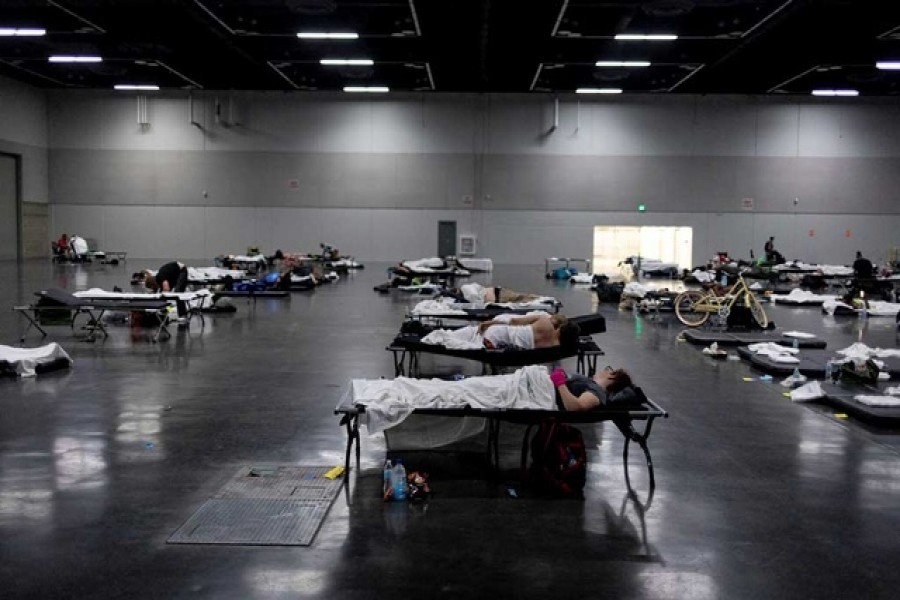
point(662, 250)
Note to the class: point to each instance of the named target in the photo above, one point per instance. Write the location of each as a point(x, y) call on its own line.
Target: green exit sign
point(642, 208)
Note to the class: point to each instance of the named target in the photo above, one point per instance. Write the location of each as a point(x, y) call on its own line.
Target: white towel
point(871, 400)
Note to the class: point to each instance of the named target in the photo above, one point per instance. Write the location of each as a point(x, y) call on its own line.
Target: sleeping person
point(389, 401)
point(517, 332)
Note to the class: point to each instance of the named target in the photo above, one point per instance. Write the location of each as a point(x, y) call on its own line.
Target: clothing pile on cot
point(203, 275)
point(388, 402)
point(28, 362)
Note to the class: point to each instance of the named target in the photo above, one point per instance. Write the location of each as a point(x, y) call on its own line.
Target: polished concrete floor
point(756, 497)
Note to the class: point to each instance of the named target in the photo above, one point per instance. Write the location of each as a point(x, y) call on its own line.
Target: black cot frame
point(406, 354)
point(623, 418)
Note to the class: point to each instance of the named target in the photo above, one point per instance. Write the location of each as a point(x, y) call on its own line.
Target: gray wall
point(374, 176)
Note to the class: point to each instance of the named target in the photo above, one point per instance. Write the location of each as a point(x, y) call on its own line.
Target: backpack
point(558, 460)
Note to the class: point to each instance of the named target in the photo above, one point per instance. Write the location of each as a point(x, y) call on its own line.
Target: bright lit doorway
point(667, 245)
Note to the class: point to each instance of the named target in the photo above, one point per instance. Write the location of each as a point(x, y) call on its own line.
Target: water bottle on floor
point(398, 479)
point(829, 370)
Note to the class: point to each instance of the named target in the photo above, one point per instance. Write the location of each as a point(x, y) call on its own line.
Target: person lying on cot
point(578, 392)
point(516, 332)
point(529, 331)
point(476, 293)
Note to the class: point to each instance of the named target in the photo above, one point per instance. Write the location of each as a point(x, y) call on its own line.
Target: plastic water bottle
point(388, 483)
point(829, 370)
point(724, 279)
point(398, 480)
point(796, 344)
point(796, 374)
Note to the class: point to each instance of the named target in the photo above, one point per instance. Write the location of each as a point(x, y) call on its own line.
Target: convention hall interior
point(356, 299)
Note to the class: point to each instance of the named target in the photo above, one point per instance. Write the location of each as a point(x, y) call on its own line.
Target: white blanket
point(437, 307)
point(389, 402)
point(466, 338)
point(25, 360)
point(798, 296)
point(871, 400)
point(775, 352)
point(213, 273)
point(424, 264)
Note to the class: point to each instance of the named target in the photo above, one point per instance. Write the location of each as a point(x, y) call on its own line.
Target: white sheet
point(871, 400)
point(466, 338)
point(389, 402)
point(798, 296)
point(25, 360)
point(776, 352)
point(424, 265)
point(477, 264)
point(436, 307)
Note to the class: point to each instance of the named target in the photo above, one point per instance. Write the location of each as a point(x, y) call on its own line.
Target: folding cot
point(623, 416)
point(61, 301)
point(438, 312)
point(407, 348)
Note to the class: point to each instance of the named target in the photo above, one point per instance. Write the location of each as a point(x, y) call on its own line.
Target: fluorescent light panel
point(622, 63)
point(75, 59)
point(366, 89)
point(143, 88)
point(321, 35)
point(650, 37)
point(835, 93)
point(346, 61)
point(888, 65)
point(21, 32)
point(598, 91)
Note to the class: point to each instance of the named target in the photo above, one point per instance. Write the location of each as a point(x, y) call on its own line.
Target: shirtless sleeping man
point(525, 332)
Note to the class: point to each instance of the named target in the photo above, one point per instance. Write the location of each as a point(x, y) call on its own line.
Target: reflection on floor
point(756, 497)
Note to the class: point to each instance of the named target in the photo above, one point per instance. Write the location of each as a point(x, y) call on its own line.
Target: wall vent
point(467, 245)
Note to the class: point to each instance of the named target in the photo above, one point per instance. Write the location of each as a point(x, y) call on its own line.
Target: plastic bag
point(811, 391)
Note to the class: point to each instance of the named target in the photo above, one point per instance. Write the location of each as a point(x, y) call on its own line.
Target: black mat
point(841, 395)
point(9, 368)
point(812, 363)
point(706, 337)
point(252, 294)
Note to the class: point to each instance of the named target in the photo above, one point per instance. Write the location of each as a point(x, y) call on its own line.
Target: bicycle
point(693, 307)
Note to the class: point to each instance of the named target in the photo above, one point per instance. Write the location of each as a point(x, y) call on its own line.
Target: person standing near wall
point(863, 267)
point(773, 256)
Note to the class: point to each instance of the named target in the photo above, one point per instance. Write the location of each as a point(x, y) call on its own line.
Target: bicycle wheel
point(685, 309)
point(756, 309)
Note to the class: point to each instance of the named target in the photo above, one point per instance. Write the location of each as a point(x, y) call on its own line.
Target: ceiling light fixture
point(21, 32)
point(142, 88)
point(320, 35)
point(888, 65)
point(622, 63)
point(650, 37)
point(346, 61)
point(835, 93)
point(366, 89)
point(598, 91)
point(75, 59)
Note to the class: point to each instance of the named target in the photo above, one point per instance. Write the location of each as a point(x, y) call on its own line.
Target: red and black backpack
point(558, 460)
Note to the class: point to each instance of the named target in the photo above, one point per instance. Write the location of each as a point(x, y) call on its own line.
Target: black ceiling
point(724, 46)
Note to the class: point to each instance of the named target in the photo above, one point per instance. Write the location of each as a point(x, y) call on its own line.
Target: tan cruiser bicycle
point(693, 308)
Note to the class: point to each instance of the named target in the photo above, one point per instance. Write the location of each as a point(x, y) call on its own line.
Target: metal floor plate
point(267, 506)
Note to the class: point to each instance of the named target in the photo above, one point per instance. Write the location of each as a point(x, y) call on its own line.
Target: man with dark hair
point(579, 392)
point(862, 267)
point(171, 277)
